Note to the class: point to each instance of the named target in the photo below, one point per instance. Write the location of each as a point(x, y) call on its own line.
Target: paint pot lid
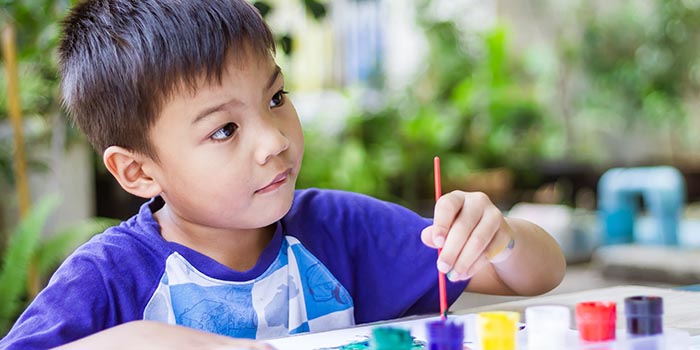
point(548, 317)
point(498, 323)
point(642, 305)
point(596, 311)
point(596, 320)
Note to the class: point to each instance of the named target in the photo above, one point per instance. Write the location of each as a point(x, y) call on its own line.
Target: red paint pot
point(596, 320)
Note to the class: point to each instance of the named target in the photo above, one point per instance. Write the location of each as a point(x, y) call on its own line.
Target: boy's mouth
point(276, 183)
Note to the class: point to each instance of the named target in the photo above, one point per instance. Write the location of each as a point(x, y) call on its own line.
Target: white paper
point(340, 337)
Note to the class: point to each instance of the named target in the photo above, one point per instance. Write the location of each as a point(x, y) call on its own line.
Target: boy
point(187, 106)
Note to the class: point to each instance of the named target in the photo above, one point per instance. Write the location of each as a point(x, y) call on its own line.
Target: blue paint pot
point(445, 335)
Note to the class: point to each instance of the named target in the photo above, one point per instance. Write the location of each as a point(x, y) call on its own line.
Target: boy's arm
point(535, 264)
point(158, 335)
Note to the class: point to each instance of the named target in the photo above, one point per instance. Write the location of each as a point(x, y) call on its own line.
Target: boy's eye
point(277, 99)
point(225, 132)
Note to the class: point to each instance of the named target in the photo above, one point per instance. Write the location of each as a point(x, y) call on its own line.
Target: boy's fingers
point(457, 237)
point(478, 243)
point(446, 210)
point(438, 239)
point(432, 238)
point(426, 236)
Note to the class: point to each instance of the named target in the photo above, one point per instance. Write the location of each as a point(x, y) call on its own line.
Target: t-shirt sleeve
point(105, 282)
point(377, 253)
point(73, 305)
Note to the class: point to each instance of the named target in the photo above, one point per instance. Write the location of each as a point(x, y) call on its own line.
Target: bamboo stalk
point(15, 112)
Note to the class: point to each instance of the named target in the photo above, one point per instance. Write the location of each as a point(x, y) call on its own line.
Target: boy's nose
point(271, 141)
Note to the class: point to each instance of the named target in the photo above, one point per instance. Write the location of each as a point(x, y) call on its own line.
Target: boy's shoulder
point(314, 198)
point(133, 242)
point(338, 202)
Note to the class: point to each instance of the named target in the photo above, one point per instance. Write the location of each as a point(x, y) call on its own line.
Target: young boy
point(187, 106)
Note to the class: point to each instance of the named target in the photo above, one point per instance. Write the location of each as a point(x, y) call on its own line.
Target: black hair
point(121, 59)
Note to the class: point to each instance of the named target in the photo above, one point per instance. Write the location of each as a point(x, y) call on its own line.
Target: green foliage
point(640, 66)
point(28, 244)
point(607, 69)
point(473, 105)
point(18, 255)
point(36, 24)
point(317, 9)
point(620, 67)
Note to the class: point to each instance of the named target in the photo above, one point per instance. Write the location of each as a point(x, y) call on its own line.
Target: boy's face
point(229, 154)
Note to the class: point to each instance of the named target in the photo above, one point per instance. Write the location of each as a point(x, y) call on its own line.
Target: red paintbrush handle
point(442, 285)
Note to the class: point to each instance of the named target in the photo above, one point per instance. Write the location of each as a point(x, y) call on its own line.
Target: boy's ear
point(128, 168)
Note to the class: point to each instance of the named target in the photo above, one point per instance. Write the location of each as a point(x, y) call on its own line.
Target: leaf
point(263, 7)
point(286, 42)
point(20, 250)
point(317, 9)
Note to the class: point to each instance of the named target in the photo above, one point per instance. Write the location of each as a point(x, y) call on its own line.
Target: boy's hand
point(471, 231)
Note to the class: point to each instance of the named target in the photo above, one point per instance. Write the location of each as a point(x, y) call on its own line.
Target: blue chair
point(662, 190)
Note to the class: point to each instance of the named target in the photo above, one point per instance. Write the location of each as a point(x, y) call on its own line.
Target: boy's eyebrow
point(203, 114)
point(274, 76)
point(206, 112)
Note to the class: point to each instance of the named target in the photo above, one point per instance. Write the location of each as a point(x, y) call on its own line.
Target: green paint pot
point(391, 338)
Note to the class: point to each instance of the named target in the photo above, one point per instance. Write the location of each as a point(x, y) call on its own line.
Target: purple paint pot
point(644, 315)
point(445, 335)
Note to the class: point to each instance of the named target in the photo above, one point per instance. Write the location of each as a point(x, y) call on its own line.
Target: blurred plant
point(611, 70)
point(37, 24)
point(285, 40)
point(622, 67)
point(473, 105)
point(27, 243)
point(642, 68)
point(639, 66)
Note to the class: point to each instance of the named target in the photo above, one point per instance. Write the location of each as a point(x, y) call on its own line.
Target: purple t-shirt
point(336, 259)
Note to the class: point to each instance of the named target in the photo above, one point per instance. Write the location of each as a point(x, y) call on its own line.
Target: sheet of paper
point(340, 337)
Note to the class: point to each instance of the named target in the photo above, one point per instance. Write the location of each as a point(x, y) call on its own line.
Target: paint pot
point(596, 320)
point(547, 326)
point(644, 315)
point(391, 338)
point(497, 330)
point(445, 335)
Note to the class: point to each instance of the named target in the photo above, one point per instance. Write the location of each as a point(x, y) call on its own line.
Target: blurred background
point(580, 115)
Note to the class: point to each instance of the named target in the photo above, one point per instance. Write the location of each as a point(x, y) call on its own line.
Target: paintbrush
point(441, 276)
